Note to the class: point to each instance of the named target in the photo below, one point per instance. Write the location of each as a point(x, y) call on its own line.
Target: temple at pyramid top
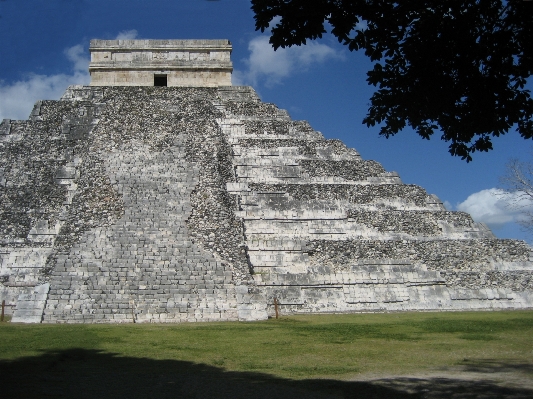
point(198, 63)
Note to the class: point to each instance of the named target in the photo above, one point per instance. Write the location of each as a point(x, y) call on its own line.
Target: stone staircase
point(299, 193)
point(129, 204)
point(145, 266)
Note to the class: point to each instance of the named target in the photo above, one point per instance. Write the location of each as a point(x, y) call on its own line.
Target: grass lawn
point(300, 355)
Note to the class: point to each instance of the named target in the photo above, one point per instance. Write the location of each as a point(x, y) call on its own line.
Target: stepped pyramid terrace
point(161, 193)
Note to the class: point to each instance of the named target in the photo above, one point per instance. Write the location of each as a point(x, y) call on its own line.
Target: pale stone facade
point(149, 204)
point(192, 63)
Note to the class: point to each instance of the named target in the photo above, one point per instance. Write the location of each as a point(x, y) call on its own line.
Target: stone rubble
point(171, 204)
point(329, 232)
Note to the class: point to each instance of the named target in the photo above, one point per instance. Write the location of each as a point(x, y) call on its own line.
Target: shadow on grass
point(494, 365)
point(81, 373)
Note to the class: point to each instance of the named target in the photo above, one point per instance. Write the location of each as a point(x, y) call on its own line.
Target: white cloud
point(495, 207)
point(238, 78)
point(76, 54)
point(17, 98)
point(127, 35)
point(272, 66)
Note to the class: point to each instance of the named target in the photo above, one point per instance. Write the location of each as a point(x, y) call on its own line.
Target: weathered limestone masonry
point(115, 209)
point(329, 232)
point(169, 204)
point(163, 62)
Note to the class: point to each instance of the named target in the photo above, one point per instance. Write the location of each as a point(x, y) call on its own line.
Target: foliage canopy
point(460, 66)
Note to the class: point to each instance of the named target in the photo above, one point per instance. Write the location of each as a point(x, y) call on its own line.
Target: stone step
point(258, 177)
point(358, 274)
point(342, 229)
point(341, 191)
point(269, 200)
point(312, 148)
point(271, 161)
point(254, 110)
point(290, 261)
point(259, 213)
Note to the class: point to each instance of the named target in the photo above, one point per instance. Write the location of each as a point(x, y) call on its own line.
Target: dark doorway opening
point(160, 80)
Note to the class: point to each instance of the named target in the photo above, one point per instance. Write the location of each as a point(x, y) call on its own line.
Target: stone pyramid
point(195, 201)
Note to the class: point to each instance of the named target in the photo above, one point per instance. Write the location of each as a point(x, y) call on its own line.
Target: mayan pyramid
point(161, 193)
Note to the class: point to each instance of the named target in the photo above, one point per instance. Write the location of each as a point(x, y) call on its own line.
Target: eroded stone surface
point(200, 63)
point(166, 204)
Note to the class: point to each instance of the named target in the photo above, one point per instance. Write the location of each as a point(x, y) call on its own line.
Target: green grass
point(298, 346)
point(315, 347)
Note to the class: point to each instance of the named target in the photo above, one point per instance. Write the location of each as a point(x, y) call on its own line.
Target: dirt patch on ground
point(475, 379)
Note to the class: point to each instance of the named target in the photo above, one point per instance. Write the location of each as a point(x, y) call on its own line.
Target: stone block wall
point(174, 78)
point(188, 63)
point(329, 232)
point(147, 231)
point(167, 204)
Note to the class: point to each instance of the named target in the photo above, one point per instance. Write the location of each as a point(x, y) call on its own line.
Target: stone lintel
point(151, 44)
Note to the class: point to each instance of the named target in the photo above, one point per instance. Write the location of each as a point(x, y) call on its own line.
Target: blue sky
point(44, 48)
